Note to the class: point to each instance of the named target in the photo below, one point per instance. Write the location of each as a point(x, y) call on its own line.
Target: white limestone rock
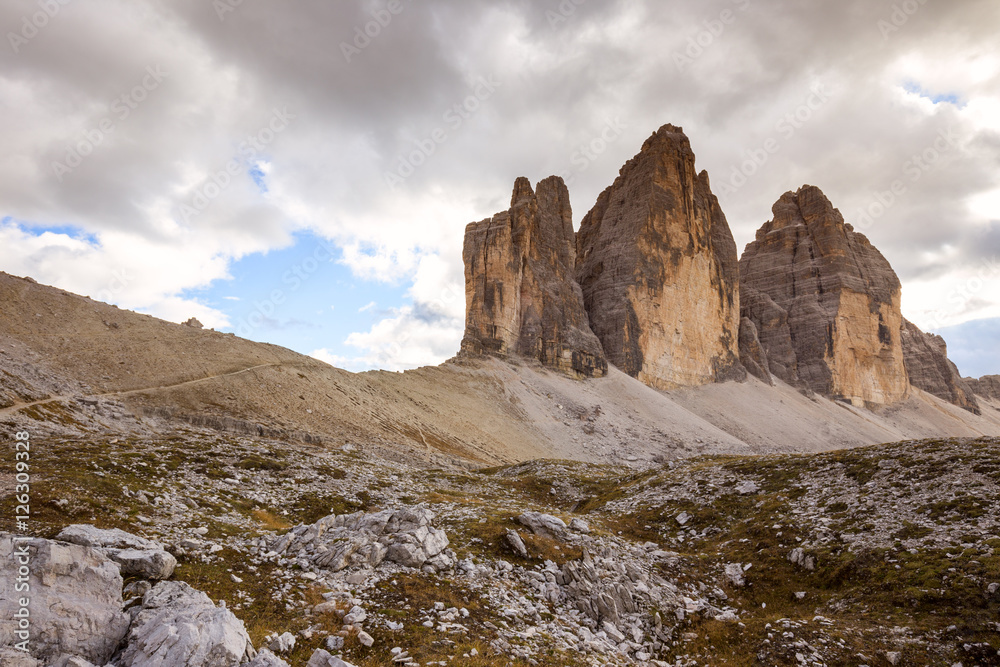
point(76, 600)
point(545, 525)
point(179, 626)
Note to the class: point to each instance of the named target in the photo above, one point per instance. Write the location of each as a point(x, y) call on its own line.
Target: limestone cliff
point(752, 354)
point(826, 303)
point(929, 368)
point(987, 386)
point(521, 297)
point(659, 271)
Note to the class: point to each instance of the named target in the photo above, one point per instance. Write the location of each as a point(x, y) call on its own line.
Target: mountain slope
point(96, 367)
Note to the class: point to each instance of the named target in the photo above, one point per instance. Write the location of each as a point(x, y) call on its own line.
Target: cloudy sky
point(301, 173)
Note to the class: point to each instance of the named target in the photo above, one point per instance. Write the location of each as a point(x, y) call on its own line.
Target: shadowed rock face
point(987, 386)
point(929, 368)
point(826, 303)
point(521, 298)
point(659, 272)
point(752, 354)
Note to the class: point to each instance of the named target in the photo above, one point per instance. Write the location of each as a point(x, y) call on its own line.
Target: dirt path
point(113, 394)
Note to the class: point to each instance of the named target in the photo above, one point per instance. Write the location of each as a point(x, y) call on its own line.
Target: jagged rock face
point(771, 322)
point(752, 354)
point(520, 294)
point(826, 303)
point(987, 386)
point(929, 368)
point(657, 264)
point(75, 595)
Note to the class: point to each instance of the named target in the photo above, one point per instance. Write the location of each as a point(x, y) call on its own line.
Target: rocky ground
point(881, 555)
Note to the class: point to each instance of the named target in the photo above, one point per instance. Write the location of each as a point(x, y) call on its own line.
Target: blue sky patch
point(36, 229)
point(937, 98)
point(974, 347)
point(259, 177)
point(300, 297)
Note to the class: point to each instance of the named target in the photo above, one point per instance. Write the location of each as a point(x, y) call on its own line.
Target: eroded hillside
point(879, 555)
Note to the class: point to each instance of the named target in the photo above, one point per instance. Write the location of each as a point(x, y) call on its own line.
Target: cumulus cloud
point(191, 138)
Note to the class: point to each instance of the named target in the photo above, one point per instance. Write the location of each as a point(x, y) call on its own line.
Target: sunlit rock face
point(658, 266)
point(825, 302)
point(521, 296)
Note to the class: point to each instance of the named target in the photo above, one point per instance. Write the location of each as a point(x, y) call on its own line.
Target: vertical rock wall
point(658, 267)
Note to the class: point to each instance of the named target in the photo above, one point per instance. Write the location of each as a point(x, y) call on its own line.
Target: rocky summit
point(658, 266)
point(521, 298)
point(826, 303)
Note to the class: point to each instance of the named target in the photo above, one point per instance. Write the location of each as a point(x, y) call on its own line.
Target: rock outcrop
point(521, 298)
point(75, 597)
point(179, 626)
point(987, 386)
point(135, 555)
point(825, 302)
point(658, 267)
point(927, 364)
point(402, 536)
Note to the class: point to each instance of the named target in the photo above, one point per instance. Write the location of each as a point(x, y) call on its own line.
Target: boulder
point(799, 557)
point(521, 296)
point(137, 556)
point(514, 541)
point(11, 657)
point(825, 302)
point(545, 525)
point(179, 626)
point(734, 575)
point(76, 600)
point(266, 659)
point(402, 536)
point(114, 538)
point(322, 658)
point(927, 364)
point(156, 564)
point(283, 643)
point(658, 267)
